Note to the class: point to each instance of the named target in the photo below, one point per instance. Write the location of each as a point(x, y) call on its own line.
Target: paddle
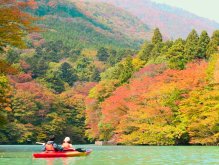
point(80, 149)
point(40, 143)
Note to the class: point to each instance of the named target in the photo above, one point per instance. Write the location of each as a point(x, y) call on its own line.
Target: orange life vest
point(49, 147)
point(66, 146)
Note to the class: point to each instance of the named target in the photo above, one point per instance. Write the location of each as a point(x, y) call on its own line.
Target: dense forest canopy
point(166, 95)
point(54, 81)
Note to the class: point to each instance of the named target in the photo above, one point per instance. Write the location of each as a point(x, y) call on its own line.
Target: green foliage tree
point(67, 73)
point(102, 54)
point(113, 59)
point(13, 56)
point(157, 37)
point(175, 55)
point(215, 36)
point(202, 44)
point(38, 67)
point(156, 51)
point(191, 45)
point(213, 44)
point(121, 72)
point(55, 83)
point(86, 70)
point(145, 52)
point(166, 46)
point(25, 107)
point(127, 70)
point(46, 53)
point(95, 76)
point(211, 48)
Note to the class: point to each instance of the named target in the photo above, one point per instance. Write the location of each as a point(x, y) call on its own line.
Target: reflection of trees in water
point(63, 161)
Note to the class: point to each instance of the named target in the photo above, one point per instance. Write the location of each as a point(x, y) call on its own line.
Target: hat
point(67, 139)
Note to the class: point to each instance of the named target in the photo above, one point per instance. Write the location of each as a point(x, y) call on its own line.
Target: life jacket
point(66, 146)
point(49, 147)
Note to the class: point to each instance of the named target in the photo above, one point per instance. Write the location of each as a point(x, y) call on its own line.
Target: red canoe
point(59, 154)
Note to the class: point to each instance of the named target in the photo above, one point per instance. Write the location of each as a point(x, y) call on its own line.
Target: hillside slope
point(173, 22)
point(82, 24)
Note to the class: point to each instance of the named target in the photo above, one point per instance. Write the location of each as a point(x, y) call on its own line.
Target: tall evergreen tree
point(102, 54)
point(67, 73)
point(127, 70)
point(55, 83)
point(39, 68)
point(175, 55)
point(157, 37)
point(215, 36)
point(145, 52)
point(166, 46)
point(202, 44)
point(213, 44)
point(95, 76)
point(156, 51)
point(211, 48)
point(191, 46)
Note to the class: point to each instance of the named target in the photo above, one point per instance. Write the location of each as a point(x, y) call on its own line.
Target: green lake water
point(116, 155)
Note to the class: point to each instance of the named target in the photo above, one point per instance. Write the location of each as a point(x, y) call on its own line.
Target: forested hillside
point(44, 80)
point(87, 25)
point(172, 21)
point(73, 69)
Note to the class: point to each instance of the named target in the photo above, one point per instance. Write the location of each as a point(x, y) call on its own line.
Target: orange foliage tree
point(15, 23)
point(146, 111)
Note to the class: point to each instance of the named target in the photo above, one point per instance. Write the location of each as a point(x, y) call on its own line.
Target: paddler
point(51, 145)
point(66, 145)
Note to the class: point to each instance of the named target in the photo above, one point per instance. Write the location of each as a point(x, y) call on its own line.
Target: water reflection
point(63, 161)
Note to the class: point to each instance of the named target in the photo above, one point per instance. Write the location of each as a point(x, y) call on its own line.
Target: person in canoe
point(51, 145)
point(66, 145)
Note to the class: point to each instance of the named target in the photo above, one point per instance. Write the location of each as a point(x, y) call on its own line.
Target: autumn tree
point(5, 92)
point(5, 89)
point(148, 107)
point(200, 113)
point(15, 23)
